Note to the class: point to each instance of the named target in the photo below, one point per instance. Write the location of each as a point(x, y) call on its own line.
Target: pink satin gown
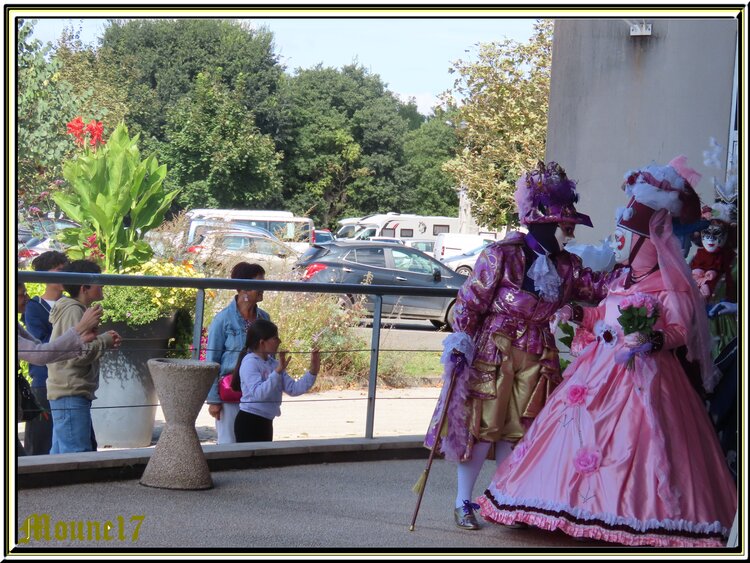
point(623, 456)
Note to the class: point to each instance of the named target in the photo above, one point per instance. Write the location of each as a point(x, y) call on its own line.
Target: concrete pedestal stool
point(178, 461)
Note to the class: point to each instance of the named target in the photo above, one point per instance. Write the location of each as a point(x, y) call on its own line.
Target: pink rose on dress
point(587, 460)
point(581, 339)
point(519, 451)
point(577, 394)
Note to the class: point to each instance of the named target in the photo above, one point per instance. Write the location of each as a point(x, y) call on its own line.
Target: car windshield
point(258, 245)
point(477, 250)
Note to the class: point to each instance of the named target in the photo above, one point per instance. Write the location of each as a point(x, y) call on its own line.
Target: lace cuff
point(459, 341)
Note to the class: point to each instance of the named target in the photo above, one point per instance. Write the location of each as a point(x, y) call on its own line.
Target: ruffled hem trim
point(562, 522)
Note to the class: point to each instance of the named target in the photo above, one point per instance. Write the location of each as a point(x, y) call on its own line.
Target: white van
point(451, 244)
point(296, 232)
point(348, 227)
point(405, 226)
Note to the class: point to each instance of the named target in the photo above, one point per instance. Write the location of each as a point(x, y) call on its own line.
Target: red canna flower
point(76, 128)
point(95, 129)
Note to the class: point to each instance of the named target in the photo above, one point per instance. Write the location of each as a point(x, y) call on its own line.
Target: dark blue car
point(384, 264)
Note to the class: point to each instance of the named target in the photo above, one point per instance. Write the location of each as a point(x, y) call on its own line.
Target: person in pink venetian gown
point(502, 354)
point(624, 455)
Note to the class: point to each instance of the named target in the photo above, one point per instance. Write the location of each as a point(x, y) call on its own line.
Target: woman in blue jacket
point(226, 338)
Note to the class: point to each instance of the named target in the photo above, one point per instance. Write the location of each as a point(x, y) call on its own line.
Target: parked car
point(451, 244)
point(42, 228)
point(171, 245)
point(392, 240)
point(464, 263)
point(292, 230)
point(387, 264)
point(426, 246)
point(240, 245)
point(35, 246)
point(323, 235)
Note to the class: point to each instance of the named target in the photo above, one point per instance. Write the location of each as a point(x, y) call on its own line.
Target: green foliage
point(216, 152)
point(431, 191)
point(346, 148)
point(160, 60)
point(301, 316)
point(99, 84)
point(138, 306)
point(503, 119)
point(45, 102)
point(569, 331)
point(117, 197)
point(636, 320)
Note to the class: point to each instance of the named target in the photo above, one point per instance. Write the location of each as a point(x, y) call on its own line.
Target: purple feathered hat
point(546, 195)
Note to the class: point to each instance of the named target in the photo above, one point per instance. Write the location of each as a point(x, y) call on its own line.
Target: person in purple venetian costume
point(503, 352)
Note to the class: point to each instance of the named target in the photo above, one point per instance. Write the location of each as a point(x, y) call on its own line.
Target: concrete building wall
point(618, 102)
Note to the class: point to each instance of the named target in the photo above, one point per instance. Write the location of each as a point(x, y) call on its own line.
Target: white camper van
point(405, 226)
point(296, 232)
point(348, 227)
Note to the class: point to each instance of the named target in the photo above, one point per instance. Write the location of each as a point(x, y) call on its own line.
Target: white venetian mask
point(620, 242)
point(713, 238)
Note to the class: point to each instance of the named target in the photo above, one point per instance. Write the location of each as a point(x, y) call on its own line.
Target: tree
point(160, 60)
point(431, 190)
point(216, 153)
point(503, 120)
point(101, 85)
point(45, 103)
point(346, 143)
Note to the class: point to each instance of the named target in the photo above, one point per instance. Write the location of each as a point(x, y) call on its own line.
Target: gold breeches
point(507, 393)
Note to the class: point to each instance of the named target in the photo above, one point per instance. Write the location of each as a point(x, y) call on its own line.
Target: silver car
point(228, 247)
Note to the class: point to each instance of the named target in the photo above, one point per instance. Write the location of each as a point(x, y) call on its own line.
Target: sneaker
point(464, 516)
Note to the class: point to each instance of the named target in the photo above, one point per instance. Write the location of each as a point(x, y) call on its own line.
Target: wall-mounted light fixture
point(639, 28)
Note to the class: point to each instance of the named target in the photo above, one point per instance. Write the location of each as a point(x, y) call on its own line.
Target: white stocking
point(468, 471)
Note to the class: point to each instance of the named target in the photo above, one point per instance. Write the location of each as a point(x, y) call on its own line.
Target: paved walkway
point(340, 414)
point(297, 507)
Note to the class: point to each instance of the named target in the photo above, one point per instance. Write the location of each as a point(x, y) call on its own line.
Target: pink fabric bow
point(702, 277)
point(679, 163)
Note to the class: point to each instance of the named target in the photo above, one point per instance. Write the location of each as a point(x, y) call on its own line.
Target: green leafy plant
point(141, 305)
point(137, 306)
point(567, 340)
point(114, 195)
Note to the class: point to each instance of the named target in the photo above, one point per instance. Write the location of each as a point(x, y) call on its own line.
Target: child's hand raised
point(284, 360)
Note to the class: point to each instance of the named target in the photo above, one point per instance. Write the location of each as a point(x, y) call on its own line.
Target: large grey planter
point(125, 407)
point(178, 461)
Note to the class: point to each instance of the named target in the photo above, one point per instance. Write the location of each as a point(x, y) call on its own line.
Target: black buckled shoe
point(464, 516)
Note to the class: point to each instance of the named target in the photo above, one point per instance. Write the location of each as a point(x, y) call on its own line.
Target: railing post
point(374, 351)
point(200, 299)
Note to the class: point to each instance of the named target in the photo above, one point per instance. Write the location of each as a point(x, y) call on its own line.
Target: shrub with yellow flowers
point(137, 305)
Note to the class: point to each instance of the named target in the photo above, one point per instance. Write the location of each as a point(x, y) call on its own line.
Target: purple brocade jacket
point(491, 301)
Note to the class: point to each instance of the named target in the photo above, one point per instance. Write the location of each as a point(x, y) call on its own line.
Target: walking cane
point(422, 481)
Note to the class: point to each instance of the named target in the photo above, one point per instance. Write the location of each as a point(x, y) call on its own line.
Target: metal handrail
point(201, 284)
